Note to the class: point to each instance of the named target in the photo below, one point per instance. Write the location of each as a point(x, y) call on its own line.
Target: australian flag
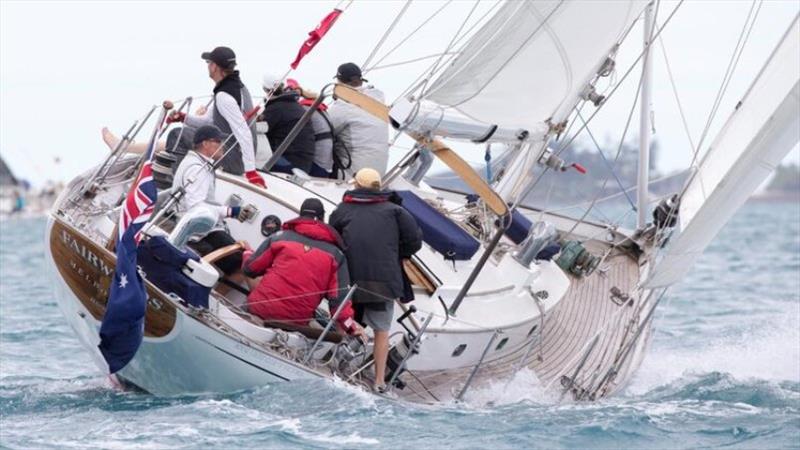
point(122, 329)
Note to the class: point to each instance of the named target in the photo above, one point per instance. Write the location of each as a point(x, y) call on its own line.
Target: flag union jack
point(140, 202)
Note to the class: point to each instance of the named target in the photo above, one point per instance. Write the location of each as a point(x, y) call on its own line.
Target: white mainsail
point(532, 59)
point(760, 132)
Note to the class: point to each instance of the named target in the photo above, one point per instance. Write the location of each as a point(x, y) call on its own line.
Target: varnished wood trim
point(88, 269)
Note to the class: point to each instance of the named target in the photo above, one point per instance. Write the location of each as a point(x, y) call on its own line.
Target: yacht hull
point(181, 353)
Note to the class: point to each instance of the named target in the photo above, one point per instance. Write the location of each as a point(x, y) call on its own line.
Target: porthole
point(501, 344)
point(459, 350)
point(532, 330)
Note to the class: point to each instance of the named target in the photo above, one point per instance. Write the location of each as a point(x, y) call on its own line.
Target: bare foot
point(109, 138)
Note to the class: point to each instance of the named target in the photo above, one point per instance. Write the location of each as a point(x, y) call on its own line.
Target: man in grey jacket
point(358, 133)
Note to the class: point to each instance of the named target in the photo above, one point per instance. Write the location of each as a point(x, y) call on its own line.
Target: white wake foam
point(766, 351)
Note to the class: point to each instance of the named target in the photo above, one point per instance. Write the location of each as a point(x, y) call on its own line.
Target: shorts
point(378, 316)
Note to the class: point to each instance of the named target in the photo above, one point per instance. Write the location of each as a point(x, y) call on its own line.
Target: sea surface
point(723, 371)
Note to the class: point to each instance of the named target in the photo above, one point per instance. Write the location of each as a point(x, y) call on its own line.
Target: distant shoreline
point(776, 196)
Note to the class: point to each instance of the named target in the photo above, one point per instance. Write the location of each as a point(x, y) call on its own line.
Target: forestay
point(754, 140)
point(532, 59)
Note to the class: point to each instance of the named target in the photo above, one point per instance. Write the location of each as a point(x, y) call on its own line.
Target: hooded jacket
point(300, 265)
point(378, 234)
point(281, 113)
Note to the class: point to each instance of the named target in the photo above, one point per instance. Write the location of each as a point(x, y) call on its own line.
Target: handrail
point(330, 323)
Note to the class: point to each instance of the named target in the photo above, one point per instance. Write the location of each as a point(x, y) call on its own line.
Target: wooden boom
point(442, 151)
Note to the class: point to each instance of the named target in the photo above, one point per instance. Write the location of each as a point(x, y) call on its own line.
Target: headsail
point(531, 60)
point(760, 132)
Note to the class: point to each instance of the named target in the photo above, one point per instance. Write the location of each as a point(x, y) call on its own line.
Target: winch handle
point(411, 310)
point(401, 320)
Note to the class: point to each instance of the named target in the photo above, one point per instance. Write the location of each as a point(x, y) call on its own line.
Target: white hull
point(220, 350)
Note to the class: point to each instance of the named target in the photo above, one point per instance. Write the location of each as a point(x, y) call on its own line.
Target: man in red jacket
point(301, 265)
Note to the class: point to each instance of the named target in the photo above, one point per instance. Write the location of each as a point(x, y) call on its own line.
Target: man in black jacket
point(377, 234)
point(282, 112)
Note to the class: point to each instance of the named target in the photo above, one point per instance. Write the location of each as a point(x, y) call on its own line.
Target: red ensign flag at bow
point(316, 35)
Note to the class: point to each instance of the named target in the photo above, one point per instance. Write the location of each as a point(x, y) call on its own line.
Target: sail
point(757, 136)
point(532, 59)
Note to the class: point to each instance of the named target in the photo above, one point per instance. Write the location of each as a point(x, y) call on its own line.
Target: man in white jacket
point(232, 101)
point(362, 140)
point(195, 175)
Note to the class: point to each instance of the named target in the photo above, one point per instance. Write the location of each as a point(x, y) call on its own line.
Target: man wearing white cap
point(281, 113)
point(378, 234)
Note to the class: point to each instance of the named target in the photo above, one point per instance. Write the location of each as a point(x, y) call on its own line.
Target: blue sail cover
point(438, 231)
point(163, 264)
point(519, 228)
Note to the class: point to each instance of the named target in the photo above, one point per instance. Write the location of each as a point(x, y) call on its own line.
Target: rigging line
point(737, 53)
point(653, 34)
point(415, 84)
point(675, 93)
point(448, 48)
point(343, 8)
point(409, 61)
point(650, 41)
point(744, 36)
point(410, 35)
point(610, 168)
point(628, 72)
point(619, 149)
point(386, 35)
point(609, 197)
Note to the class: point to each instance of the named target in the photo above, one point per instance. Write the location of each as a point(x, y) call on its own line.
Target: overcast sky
point(68, 68)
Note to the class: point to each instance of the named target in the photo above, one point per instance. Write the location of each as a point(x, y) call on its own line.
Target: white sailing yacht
point(488, 301)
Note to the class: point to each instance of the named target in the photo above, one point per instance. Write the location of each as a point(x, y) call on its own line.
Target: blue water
point(723, 371)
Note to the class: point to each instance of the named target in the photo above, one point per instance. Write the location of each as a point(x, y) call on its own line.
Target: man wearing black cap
point(301, 265)
point(231, 101)
point(196, 175)
point(362, 140)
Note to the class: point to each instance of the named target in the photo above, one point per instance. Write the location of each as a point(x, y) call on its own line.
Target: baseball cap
point(312, 207)
point(368, 178)
point(207, 132)
point(348, 71)
point(221, 56)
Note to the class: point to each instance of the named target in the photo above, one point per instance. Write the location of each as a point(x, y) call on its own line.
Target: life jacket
point(233, 86)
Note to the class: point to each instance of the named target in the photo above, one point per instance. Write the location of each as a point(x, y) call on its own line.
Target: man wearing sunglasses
point(196, 175)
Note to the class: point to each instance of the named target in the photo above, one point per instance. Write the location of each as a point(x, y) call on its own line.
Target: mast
point(644, 123)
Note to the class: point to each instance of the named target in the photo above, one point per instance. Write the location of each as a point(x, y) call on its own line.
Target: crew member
point(377, 234)
point(322, 167)
point(361, 138)
point(231, 101)
point(281, 113)
point(301, 265)
point(196, 175)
